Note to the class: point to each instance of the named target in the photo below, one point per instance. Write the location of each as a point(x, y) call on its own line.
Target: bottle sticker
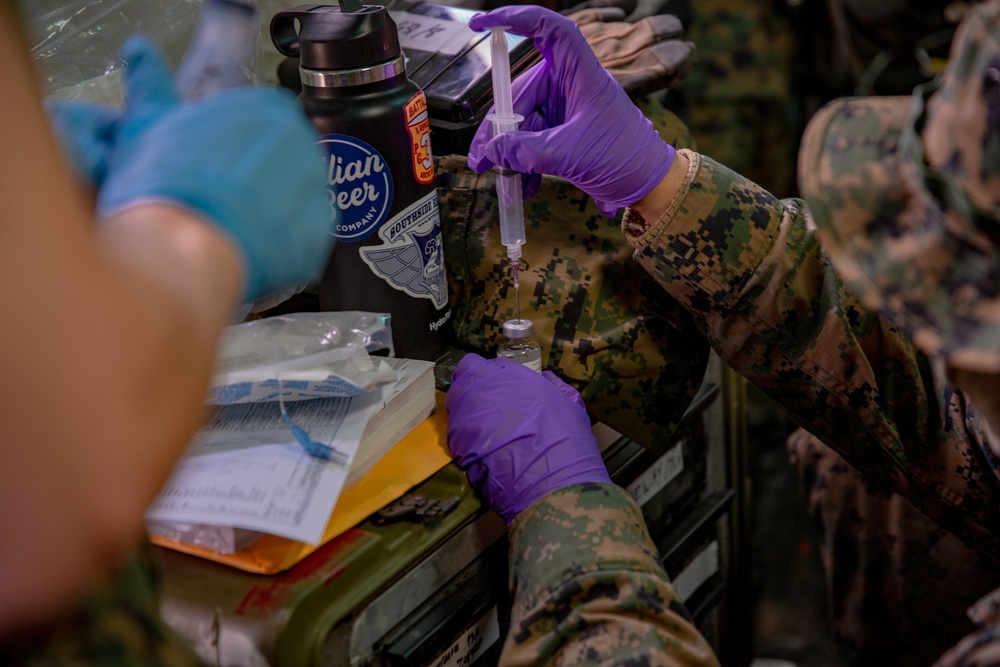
point(419, 125)
point(534, 364)
point(359, 186)
point(411, 257)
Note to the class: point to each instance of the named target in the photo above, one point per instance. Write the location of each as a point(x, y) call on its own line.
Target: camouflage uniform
point(889, 47)
point(117, 625)
point(905, 194)
point(613, 334)
point(634, 353)
point(638, 360)
point(898, 584)
point(589, 588)
point(749, 268)
point(738, 98)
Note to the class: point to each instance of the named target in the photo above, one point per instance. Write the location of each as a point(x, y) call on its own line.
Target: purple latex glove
point(578, 122)
point(518, 434)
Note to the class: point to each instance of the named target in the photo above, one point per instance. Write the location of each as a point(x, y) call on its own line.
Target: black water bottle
point(375, 141)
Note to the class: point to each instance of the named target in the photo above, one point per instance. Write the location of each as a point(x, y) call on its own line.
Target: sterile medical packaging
point(302, 356)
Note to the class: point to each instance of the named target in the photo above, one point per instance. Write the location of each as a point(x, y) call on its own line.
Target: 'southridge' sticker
point(411, 257)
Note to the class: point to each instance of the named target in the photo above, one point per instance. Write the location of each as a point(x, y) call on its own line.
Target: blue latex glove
point(245, 159)
point(518, 434)
point(87, 133)
point(578, 122)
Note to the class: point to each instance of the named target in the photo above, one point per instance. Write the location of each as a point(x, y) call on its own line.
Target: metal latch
point(415, 508)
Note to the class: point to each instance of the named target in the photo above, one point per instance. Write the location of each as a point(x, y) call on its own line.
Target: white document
point(426, 33)
point(244, 468)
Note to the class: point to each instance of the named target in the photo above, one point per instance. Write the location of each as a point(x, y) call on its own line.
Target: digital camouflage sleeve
point(588, 589)
point(749, 268)
point(117, 624)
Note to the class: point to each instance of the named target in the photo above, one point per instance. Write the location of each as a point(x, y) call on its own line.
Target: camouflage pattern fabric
point(898, 584)
point(117, 625)
point(749, 268)
point(738, 97)
point(588, 589)
point(604, 325)
point(906, 192)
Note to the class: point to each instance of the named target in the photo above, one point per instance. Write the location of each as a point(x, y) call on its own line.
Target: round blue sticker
point(359, 186)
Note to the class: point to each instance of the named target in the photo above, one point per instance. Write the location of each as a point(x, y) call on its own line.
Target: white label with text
point(471, 645)
point(658, 475)
point(426, 33)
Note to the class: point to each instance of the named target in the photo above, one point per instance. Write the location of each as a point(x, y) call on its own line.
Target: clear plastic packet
point(75, 44)
point(302, 356)
point(221, 539)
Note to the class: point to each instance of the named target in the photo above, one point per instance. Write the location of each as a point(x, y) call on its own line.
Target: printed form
point(244, 468)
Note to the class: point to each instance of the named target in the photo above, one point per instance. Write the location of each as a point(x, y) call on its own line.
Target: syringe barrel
point(503, 124)
point(509, 194)
point(500, 70)
point(510, 200)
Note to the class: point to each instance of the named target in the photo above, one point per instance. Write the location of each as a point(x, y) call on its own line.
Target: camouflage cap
point(905, 192)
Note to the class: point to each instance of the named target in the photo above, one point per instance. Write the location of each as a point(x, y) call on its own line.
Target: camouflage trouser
point(117, 625)
point(898, 584)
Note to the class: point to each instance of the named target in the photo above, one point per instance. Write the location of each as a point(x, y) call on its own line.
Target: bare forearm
point(108, 338)
point(112, 374)
point(175, 283)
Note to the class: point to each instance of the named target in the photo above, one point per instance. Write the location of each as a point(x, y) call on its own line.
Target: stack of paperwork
point(245, 474)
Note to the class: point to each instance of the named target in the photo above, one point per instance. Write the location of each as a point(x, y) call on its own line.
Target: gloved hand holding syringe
point(509, 194)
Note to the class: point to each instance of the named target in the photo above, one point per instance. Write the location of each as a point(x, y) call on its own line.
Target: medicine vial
point(519, 346)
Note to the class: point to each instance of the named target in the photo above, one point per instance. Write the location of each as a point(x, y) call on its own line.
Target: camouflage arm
point(748, 267)
point(118, 624)
point(588, 589)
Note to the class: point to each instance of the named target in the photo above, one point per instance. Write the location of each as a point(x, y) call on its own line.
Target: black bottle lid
point(336, 37)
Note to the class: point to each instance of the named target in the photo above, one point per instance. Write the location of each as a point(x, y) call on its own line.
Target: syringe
point(509, 194)
point(223, 50)
point(221, 55)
